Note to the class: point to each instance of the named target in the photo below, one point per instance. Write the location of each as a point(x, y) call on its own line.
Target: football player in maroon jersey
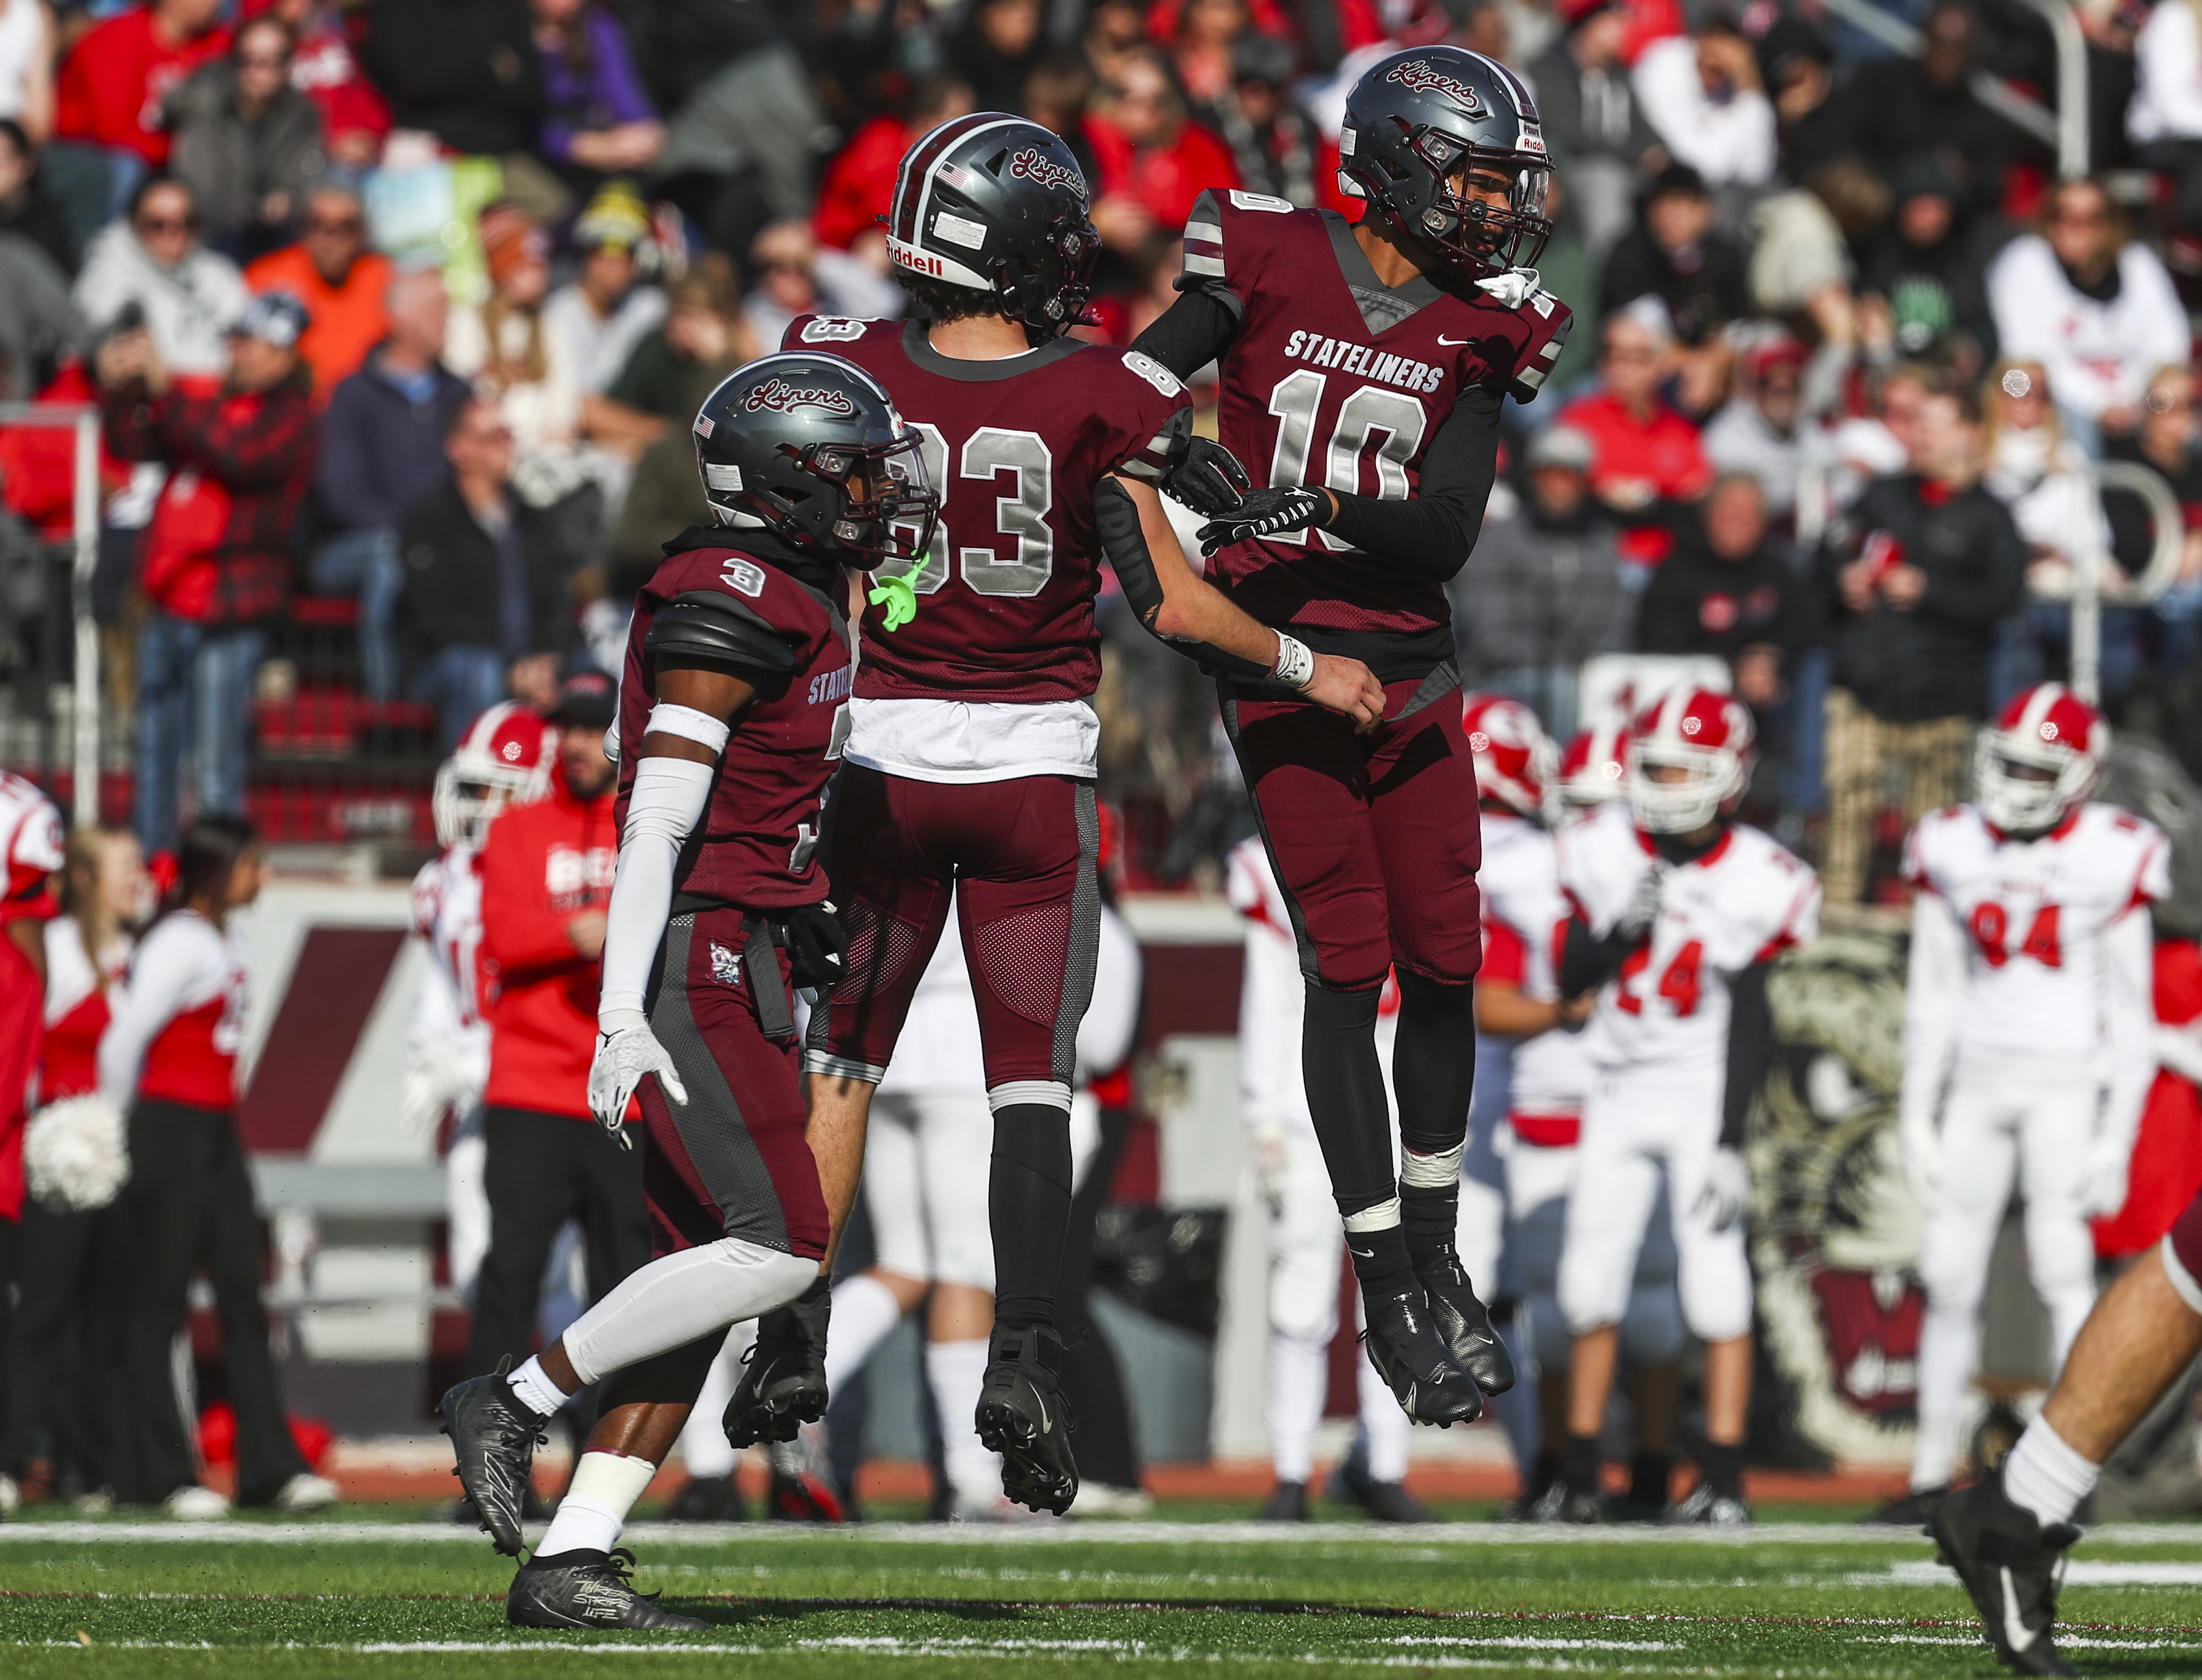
point(731, 708)
point(1363, 369)
point(969, 765)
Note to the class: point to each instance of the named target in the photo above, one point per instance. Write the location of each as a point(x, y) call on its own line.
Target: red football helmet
point(1514, 756)
point(1594, 771)
point(503, 759)
point(1707, 735)
point(2043, 756)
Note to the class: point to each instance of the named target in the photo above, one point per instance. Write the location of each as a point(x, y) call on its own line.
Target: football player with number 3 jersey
point(970, 760)
point(1363, 371)
point(2028, 1035)
point(1680, 912)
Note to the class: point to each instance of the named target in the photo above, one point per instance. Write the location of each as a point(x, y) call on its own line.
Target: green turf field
point(351, 1597)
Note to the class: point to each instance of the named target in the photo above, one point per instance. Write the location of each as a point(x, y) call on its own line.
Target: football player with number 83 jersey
point(969, 770)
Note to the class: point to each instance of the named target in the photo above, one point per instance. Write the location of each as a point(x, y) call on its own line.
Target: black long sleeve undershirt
point(1749, 1050)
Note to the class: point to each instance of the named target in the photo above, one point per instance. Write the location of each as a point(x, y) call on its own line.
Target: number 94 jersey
point(1743, 903)
point(2034, 913)
point(1015, 447)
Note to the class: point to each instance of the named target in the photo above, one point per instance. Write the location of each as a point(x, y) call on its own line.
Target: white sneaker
point(1100, 1498)
point(196, 1505)
point(11, 1497)
point(307, 1493)
point(99, 1502)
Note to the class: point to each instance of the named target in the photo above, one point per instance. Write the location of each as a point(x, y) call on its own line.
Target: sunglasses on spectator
point(166, 224)
point(2093, 218)
point(322, 224)
point(264, 61)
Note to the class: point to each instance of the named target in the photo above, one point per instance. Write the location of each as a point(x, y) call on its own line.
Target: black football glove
point(1208, 478)
point(817, 946)
point(1264, 513)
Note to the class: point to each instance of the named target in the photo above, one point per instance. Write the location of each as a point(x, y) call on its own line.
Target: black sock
point(1434, 1074)
point(1028, 1206)
point(1583, 1460)
point(1722, 1467)
point(1650, 1476)
point(1546, 1471)
point(1382, 1264)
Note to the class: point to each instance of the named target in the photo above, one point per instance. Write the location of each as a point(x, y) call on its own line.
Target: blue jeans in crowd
point(364, 564)
point(462, 682)
point(194, 699)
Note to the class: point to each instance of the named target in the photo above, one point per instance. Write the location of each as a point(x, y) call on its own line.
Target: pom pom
point(76, 1154)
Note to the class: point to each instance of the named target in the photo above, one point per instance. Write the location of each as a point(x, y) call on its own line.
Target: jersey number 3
point(1020, 515)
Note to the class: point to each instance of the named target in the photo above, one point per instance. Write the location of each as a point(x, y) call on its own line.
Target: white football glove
point(1920, 1146)
point(1727, 1189)
point(2104, 1189)
point(1643, 904)
point(627, 1053)
point(440, 1077)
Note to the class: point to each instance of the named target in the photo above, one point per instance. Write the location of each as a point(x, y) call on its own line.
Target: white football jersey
point(447, 912)
point(2034, 911)
point(1272, 998)
point(30, 836)
point(1741, 904)
point(1549, 1075)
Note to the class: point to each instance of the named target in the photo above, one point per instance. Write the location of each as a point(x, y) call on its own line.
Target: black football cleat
point(1463, 1322)
point(1705, 1506)
point(782, 1385)
point(2011, 1563)
point(1403, 1347)
point(1913, 1511)
point(1023, 1417)
point(494, 1437)
point(707, 1499)
point(1287, 1503)
point(590, 1589)
point(1350, 1483)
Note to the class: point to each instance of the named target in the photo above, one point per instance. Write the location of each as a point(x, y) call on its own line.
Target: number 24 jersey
point(1743, 903)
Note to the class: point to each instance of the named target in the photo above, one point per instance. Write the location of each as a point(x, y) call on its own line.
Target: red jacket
point(109, 89)
point(542, 864)
point(1166, 179)
point(860, 182)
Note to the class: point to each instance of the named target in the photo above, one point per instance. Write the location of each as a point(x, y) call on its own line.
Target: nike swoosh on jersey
point(2015, 1633)
point(1454, 342)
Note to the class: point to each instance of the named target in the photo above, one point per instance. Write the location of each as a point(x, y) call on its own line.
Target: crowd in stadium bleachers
point(397, 311)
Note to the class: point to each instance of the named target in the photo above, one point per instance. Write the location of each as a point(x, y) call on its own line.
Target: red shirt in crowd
point(860, 182)
point(1166, 179)
point(30, 851)
point(1635, 462)
point(345, 322)
point(2167, 1158)
point(109, 89)
point(542, 864)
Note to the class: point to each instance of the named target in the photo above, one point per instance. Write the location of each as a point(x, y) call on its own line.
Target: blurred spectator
point(1702, 98)
point(467, 71)
point(2171, 441)
point(1642, 450)
point(742, 151)
point(1201, 46)
point(860, 182)
point(1913, 585)
point(1764, 431)
point(502, 347)
point(152, 268)
point(1542, 591)
point(111, 84)
point(2165, 120)
point(247, 143)
point(38, 325)
point(676, 365)
point(382, 450)
point(1274, 140)
point(1056, 96)
point(596, 321)
point(1592, 121)
point(217, 557)
point(343, 284)
point(1924, 277)
point(597, 118)
point(27, 66)
point(1115, 33)
point(1901, 106)
point(1675, 255)
point(485, 575)
point(794, 277)
point(997, 49)
point(27, 204)
point(1725, 592)
point(1150, 162)
point(1812, 126)
point(355, 116)
point(2094, 307)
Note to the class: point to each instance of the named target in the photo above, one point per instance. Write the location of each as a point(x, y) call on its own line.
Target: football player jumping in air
point(732, 706)
point(971, 753)
point(1363, 369)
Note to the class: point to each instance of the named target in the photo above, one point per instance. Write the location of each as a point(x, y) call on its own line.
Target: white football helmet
point(1514, 757)
point(1708, 735)
point(1594, 771)
point(2038, 760)
point(503, 759)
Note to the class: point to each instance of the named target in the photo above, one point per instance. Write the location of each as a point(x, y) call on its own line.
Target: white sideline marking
point(2079, 1572)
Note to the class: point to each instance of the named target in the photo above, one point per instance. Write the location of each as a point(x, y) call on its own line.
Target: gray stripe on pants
point(710, 1123)
point(1084, 955)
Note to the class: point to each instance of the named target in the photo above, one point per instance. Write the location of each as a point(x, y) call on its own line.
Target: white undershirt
point(974, 740)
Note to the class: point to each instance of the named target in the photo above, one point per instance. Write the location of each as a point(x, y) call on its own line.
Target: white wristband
point(708, 732)
point(1295, 666)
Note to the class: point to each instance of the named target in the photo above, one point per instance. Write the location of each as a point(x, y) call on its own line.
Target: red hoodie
point(542, 864)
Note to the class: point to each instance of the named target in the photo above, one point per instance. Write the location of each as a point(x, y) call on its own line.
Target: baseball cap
point(1561, 446)
point(1574, 13)
point(272, 317)
point(587, 700)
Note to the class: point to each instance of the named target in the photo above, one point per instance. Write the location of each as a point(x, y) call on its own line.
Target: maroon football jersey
point(760, 828)
point(1015, 447)
point(1337, 379)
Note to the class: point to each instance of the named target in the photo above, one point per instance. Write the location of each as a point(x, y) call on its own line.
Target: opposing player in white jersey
point(503, 759)
point(1307, 1246)
point(1680, 912)
point(2028, 1035)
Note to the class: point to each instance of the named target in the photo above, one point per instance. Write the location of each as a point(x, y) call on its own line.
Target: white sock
point(2047, 1477)
point(957, 1370)
point(865, 1314)
point(1299, 1378)
point(532, 1387)
point(604, 1489)
point(679, 1297)
point(703, 1447)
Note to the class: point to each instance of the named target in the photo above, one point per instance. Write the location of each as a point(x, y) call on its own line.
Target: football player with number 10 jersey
point(1363, 371)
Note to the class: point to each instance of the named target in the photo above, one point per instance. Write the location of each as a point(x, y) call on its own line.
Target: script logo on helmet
point(782, 397)
point(1039, 168)
point(1421, 78)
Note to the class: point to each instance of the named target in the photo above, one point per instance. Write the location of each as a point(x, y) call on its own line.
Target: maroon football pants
point(731, 1161)
point(1017, 859)
point(1374, 838)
